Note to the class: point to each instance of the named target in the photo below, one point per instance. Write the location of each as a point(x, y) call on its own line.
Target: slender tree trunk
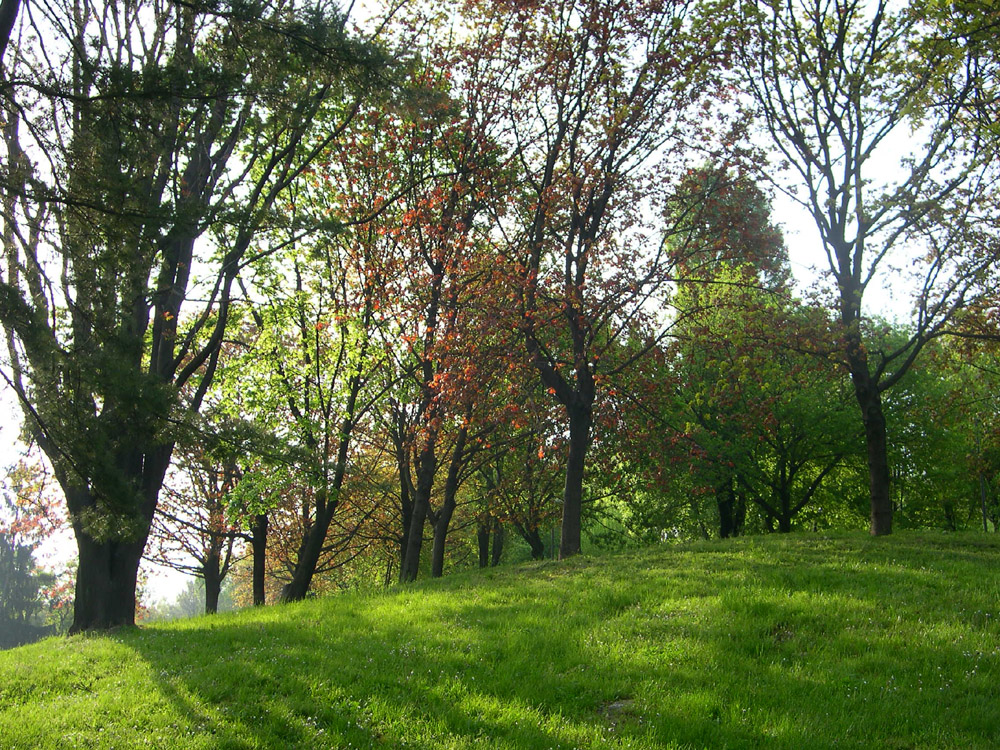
point(498, 539)
point(258, 544)
point(580, 419)
point(414, 541)
point(726, 501)
point(870, 401)
point(440, 539)
point(483, 541)
point(426, 467)
point(450, 502)
point(327, 502)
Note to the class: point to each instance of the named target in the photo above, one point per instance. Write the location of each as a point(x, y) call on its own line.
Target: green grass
point(795, 642)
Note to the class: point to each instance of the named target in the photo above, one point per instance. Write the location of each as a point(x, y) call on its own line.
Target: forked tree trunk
point(105, 583)
point(870, 402)
point(450, 502)
point(108, 569)
point(534, 540)
point(426, 466)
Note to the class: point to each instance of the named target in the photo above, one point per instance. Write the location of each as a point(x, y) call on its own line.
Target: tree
point(839, 85)
point(596, 104)
point(28, 517)
point(168, 136)
point(191, 530)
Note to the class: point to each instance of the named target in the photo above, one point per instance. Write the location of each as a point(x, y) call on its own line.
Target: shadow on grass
point(631, 655)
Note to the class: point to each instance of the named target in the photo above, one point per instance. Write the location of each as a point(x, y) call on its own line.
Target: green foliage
point(775, 642)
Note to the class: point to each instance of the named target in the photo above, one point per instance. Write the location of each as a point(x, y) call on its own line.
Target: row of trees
point(335, 284)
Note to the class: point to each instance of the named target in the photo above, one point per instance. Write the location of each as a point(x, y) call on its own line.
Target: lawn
point(801, 641)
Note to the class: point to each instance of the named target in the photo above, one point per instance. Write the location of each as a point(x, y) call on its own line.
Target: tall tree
point(596, 102)
point(873, 106)
point(146, 146)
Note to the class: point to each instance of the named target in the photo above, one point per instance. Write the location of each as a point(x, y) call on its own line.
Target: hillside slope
point(794, 642)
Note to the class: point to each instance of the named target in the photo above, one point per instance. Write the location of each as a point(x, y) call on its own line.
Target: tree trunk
point(105, 583)
point(414, 542)
point(483, 541)
point(450, 502)
point(258, 544)
point(725, 499)
point(440, 538)
point(108, 569)
point(498, 540)
point(8, 14)
point(580, 419)
point(426, 467)
point(326, 504)
point(534, 539)
point(870, 401)
point(213, 586)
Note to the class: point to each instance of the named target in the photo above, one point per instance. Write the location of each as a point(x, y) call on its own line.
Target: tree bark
point(870, 402)
point(8, 14)
point(426, 467)
point(213, 587)
point(450, 502)
point(483, 541)
point(498, 539)
point(534, 540)
point(580, 420)
point(258, 544)
point(414, 541)
point(725, 499)
point(105, 583)
point(108, 568)
point(327, 502)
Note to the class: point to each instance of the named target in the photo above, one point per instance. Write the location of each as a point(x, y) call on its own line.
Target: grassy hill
point(795, 642)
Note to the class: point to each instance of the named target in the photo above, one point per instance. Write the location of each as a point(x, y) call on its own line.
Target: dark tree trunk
point(870, 401)
point(534, 539)
point(213, 586)
point(498, 540)
point(258, 544)
point(309, 552)
point(327, 502)
point(580, 419)
point(414, 542)
point(105, 583)
point(108, 569)
point(725, 499)
point(426, 466)
point(740, 514)
point(440, 539)
point(483, 541)
point(450, 502)
point(8, 14)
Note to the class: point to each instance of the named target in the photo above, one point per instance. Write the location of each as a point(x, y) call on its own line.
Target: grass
point(793, 642)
